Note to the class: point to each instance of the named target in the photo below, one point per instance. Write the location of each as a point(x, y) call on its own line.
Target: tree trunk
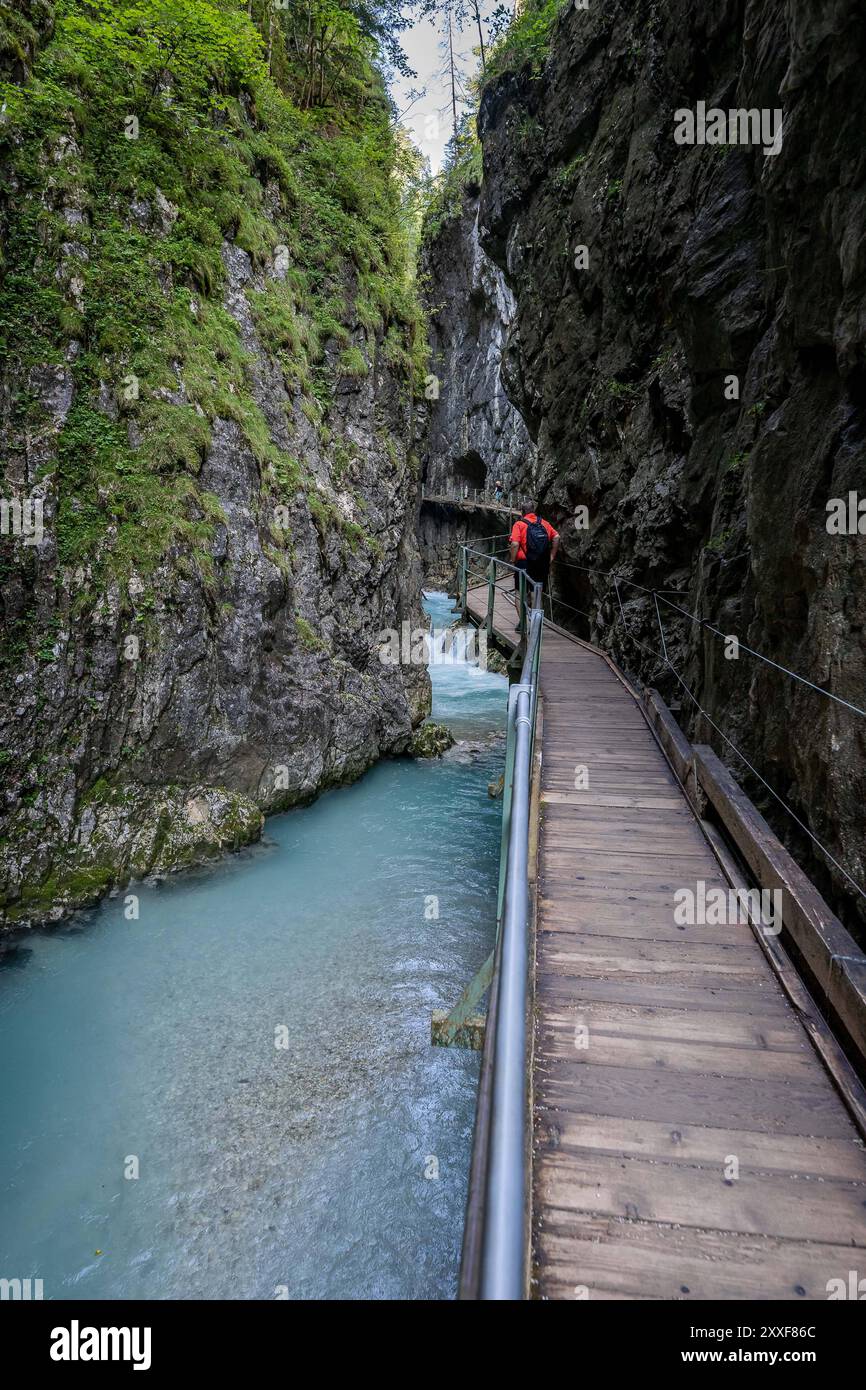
point(453, 76)
point(480, 35)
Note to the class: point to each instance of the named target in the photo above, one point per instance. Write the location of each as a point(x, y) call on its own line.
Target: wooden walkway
point(688, 1141)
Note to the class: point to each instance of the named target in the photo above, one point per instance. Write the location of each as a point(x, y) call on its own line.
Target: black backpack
point(537, 550)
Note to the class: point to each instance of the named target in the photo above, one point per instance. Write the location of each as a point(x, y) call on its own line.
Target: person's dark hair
point(534, 507)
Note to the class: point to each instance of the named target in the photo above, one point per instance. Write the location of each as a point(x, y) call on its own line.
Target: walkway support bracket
point(463, 1026)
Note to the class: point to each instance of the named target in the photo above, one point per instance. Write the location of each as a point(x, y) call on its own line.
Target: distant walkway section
point(473, 498)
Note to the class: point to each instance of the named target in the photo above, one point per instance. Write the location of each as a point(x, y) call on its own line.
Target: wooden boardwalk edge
point(836, 963)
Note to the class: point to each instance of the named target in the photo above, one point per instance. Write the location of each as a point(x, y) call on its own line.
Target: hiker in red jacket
point(534, 544)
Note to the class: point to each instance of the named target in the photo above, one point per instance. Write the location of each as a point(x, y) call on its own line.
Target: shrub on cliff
point(526, 41)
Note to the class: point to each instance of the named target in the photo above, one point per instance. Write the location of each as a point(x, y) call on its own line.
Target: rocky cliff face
point(474, 433)
point(227, 501)
point(444, 527)
point(694, 376)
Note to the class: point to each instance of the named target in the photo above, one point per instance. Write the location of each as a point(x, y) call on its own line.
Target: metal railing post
point(522, 601)
point(463, 579)
point(491, 595)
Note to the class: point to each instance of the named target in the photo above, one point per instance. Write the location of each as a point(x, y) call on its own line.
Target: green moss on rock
point(129, 831)
point(430, 741)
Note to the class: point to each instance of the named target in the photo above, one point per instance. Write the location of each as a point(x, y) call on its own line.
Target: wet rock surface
point(430, 741)
point(444, 527)
point(472, 750)
point(125, 832)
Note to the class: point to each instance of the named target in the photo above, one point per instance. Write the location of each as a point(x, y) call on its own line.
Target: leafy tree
point(321, 50)
point(469, 12)
point(197, 47)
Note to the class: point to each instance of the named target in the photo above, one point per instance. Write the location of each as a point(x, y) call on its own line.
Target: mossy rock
point(431, 741)
point(496, 662)
point(127, 832)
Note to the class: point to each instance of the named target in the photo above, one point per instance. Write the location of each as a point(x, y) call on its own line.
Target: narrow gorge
point(681, 336)
point(217, 403)
point(366, 931)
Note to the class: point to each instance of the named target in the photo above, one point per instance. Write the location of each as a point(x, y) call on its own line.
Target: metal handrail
point(503, 1260)
point(530, 590)
point(495, 1245)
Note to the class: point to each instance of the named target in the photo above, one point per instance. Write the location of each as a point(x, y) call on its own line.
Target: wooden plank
point(610, 839)
point(642, 923)
point(646, 874)
point(779, 1153)
point(559, 1044)
point(654, 975)
point(599, 807)
point(690, 864)
point(616, 780)
point(794, 1207)
point(651, 905)
point(593, 797)
point(633, 954)
point(761, 1000)
point(681, 1025)
point(765, 1105)
point(580, 1255)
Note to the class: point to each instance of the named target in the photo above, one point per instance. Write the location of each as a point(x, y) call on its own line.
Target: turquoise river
point(235, 1096)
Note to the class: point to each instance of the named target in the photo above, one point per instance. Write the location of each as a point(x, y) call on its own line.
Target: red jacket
point(518, 533)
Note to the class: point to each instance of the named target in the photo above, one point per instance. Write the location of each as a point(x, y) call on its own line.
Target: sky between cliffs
point(429, 119)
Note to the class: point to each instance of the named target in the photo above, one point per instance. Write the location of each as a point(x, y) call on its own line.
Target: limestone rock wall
point(150, 721)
